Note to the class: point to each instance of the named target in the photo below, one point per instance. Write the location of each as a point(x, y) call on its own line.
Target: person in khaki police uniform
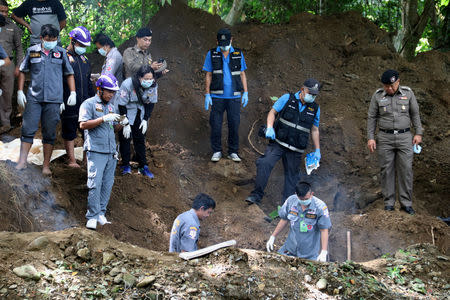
point(186, 227)
point(10, 39)
point(99, 120)
point(394, 108)
point(310, 224)
point(47, 64)
point(139, 55)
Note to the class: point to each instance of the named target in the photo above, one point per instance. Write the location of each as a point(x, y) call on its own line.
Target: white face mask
point(225, 48)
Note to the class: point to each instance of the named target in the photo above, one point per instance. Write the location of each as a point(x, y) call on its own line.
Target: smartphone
point(161, 60)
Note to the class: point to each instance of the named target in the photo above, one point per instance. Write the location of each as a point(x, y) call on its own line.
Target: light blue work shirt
point(127, 97)
point(185, 232)
point(46, 73)
point(281, 102)
point(228, 92)
point(113, 64)
point(101, 138)
point(304, 235)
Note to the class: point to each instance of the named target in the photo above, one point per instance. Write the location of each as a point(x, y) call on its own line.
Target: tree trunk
point(413, 26)
point(234, 16)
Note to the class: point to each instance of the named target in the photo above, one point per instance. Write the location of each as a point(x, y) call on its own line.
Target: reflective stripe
point(217, 92)
point(235, 73)
point(289, 146)
point(236, 93)
point(290, 124)
point(217, 72)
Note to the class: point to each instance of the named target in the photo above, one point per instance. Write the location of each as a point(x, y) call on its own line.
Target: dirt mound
point(78, 263)
point(347, 53)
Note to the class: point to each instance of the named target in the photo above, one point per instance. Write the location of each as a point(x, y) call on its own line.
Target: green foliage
point(394, 274)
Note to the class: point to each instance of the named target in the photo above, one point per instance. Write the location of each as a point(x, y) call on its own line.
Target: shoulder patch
point(35, 54)
point(236, 52)
point(404, 87)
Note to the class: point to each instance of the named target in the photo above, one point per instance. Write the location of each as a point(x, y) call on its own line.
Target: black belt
point(395, 131)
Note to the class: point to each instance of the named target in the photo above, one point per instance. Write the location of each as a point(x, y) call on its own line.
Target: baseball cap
point(389, 77)
point(224, 37)
point(313, 86)
point(143, 32)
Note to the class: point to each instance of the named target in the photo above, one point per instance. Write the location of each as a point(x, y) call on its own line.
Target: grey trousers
point(395, 156)
point(101, 167)
point(47, 114)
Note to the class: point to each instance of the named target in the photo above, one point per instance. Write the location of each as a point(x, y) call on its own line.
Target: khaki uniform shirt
point(10, 39)
point(394, 112)
point(134, 58)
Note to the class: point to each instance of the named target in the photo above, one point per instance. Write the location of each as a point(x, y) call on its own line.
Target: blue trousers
point(264, 165)
point(47, 113)
point(101, 167)
point(233, 109)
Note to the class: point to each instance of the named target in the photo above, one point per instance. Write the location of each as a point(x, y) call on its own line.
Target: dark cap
point(389, 77)
point(313, 86)
point(224, 37)
point(144, 31)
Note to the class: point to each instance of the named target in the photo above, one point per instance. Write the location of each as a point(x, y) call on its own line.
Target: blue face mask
point(102, 52)
point(305, 202)
point(50, 45)
point(147, 83)
point(80, 50)
point(309, 98)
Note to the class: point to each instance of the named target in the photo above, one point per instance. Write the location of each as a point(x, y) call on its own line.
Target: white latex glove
point(127, 131)
point(124, 121)
point(1, 92)
point(21, 99)
point(269, 244)
point(322, 256)
point(72, 100)
point(111, 118)
point(2, 62)
point(62, 107)
point(143, 126)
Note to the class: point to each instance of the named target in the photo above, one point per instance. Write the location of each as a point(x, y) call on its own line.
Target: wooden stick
point(204, 251)
point(349, 246)
point(432, 234)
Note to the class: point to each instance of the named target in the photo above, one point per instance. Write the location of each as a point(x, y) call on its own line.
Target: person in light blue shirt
point(309, 222)
point(226, 87)
point(186, 227)
point(290, 122)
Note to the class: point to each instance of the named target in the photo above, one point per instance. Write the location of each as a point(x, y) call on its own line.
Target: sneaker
point(389, 208)
point(234, 157)
point(252, 199)
point(126, 170)
point(146, 172)
point(91, 224)
point(409, 210)
point(102, 220)
point(216, 156)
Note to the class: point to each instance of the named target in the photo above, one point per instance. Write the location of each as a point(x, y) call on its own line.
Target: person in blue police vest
point(99, 121)
point(226, 86)
point(136, 100)
point(47, 64)
point(80, 38)
point(309, 225)
point(186, 227)
point(298, 118)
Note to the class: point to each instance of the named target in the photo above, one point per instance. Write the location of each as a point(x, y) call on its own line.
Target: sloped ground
point(348, 54)
point(77, 263)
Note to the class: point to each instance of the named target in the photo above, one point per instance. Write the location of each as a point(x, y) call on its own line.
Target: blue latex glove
point(270, 133)
point(245, 99)
point(317, 155)
point(208, 101)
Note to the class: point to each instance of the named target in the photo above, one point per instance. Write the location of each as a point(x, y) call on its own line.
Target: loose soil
point(347, 53)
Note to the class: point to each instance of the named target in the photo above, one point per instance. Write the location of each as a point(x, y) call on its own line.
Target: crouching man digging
point(310, 223)
point(186, 227)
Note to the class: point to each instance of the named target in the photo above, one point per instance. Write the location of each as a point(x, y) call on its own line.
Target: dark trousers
point(138, 142)
point(264, 165)
point(233, 109)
